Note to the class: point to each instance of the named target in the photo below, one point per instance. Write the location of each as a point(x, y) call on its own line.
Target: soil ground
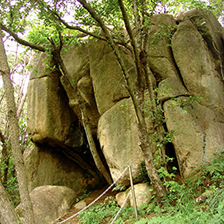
point(88, 200)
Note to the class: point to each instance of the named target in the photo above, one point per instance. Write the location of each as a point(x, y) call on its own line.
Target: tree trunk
point(20, 106)
point(14, 136)
point(5, 158)
point(7, 212)
point(92, 145)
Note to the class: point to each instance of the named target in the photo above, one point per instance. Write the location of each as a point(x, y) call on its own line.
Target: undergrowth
point(198, 199)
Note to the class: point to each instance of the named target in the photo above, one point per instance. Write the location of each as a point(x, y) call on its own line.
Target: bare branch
point(76, 27)
point(21, 41)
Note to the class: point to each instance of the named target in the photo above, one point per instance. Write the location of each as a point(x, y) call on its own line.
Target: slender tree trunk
point(137, 23)
point(14, 136)
point(92, 145)
point(7, 212)
point(5, 158)
point(20, 106)
point(140, 77)
point(142, 65)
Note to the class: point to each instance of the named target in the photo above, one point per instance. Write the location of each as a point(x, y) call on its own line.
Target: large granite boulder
point(50, 203)
point(50, 120)
point(77, 65)
point(159, 50)
point(196, 138)
point(212, 32)
point(85, 88)
point(106, 74)
point(118, 137)
point(185, 55)
point(47, 166)
point(161, 59)
point(197, 66)
point(75, 59)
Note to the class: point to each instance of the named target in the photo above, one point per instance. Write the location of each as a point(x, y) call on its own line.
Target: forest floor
point(87, 200)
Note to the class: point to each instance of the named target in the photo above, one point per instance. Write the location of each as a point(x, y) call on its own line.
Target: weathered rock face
point(186, 60)
point(202, 77)
point(57, 160)
point(47, 166)
point(50, 203)
point(119, 122)
point(204, 133)
point(51, 120)
point(108, 82)
point(193, 68)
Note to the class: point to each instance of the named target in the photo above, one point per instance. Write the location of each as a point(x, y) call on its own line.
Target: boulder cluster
point(186, 58)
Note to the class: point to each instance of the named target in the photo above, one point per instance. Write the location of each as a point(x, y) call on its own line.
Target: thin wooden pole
point(133, 194)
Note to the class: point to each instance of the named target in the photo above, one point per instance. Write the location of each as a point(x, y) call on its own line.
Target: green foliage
point(211, 174)
point(184, 102)
point(101, 212)
point(181, 205)
point(104, 212)
point(157, 115)
point(142, 174)
point(13, 190)
point(84, 195)
point(14, 13)
point(119, 188)
point(167, 138)
point(190, 212)
point(11, 185)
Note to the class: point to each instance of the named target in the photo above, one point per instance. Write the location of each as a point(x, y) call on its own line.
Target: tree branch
point(137, 23)
point(134, 45)
point(57, 17)
point(21, 41)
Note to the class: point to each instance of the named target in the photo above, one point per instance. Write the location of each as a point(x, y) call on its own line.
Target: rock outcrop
point(186, 60)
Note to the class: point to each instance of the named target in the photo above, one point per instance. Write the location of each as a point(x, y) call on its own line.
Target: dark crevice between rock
point(170, 152)
point(169, 98)
point(76, 136)
point(178, 70)
point(121, 98)
point(83, 158)
point(103, 159)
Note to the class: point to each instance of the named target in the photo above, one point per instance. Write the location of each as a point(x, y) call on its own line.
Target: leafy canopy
point(40, 21)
